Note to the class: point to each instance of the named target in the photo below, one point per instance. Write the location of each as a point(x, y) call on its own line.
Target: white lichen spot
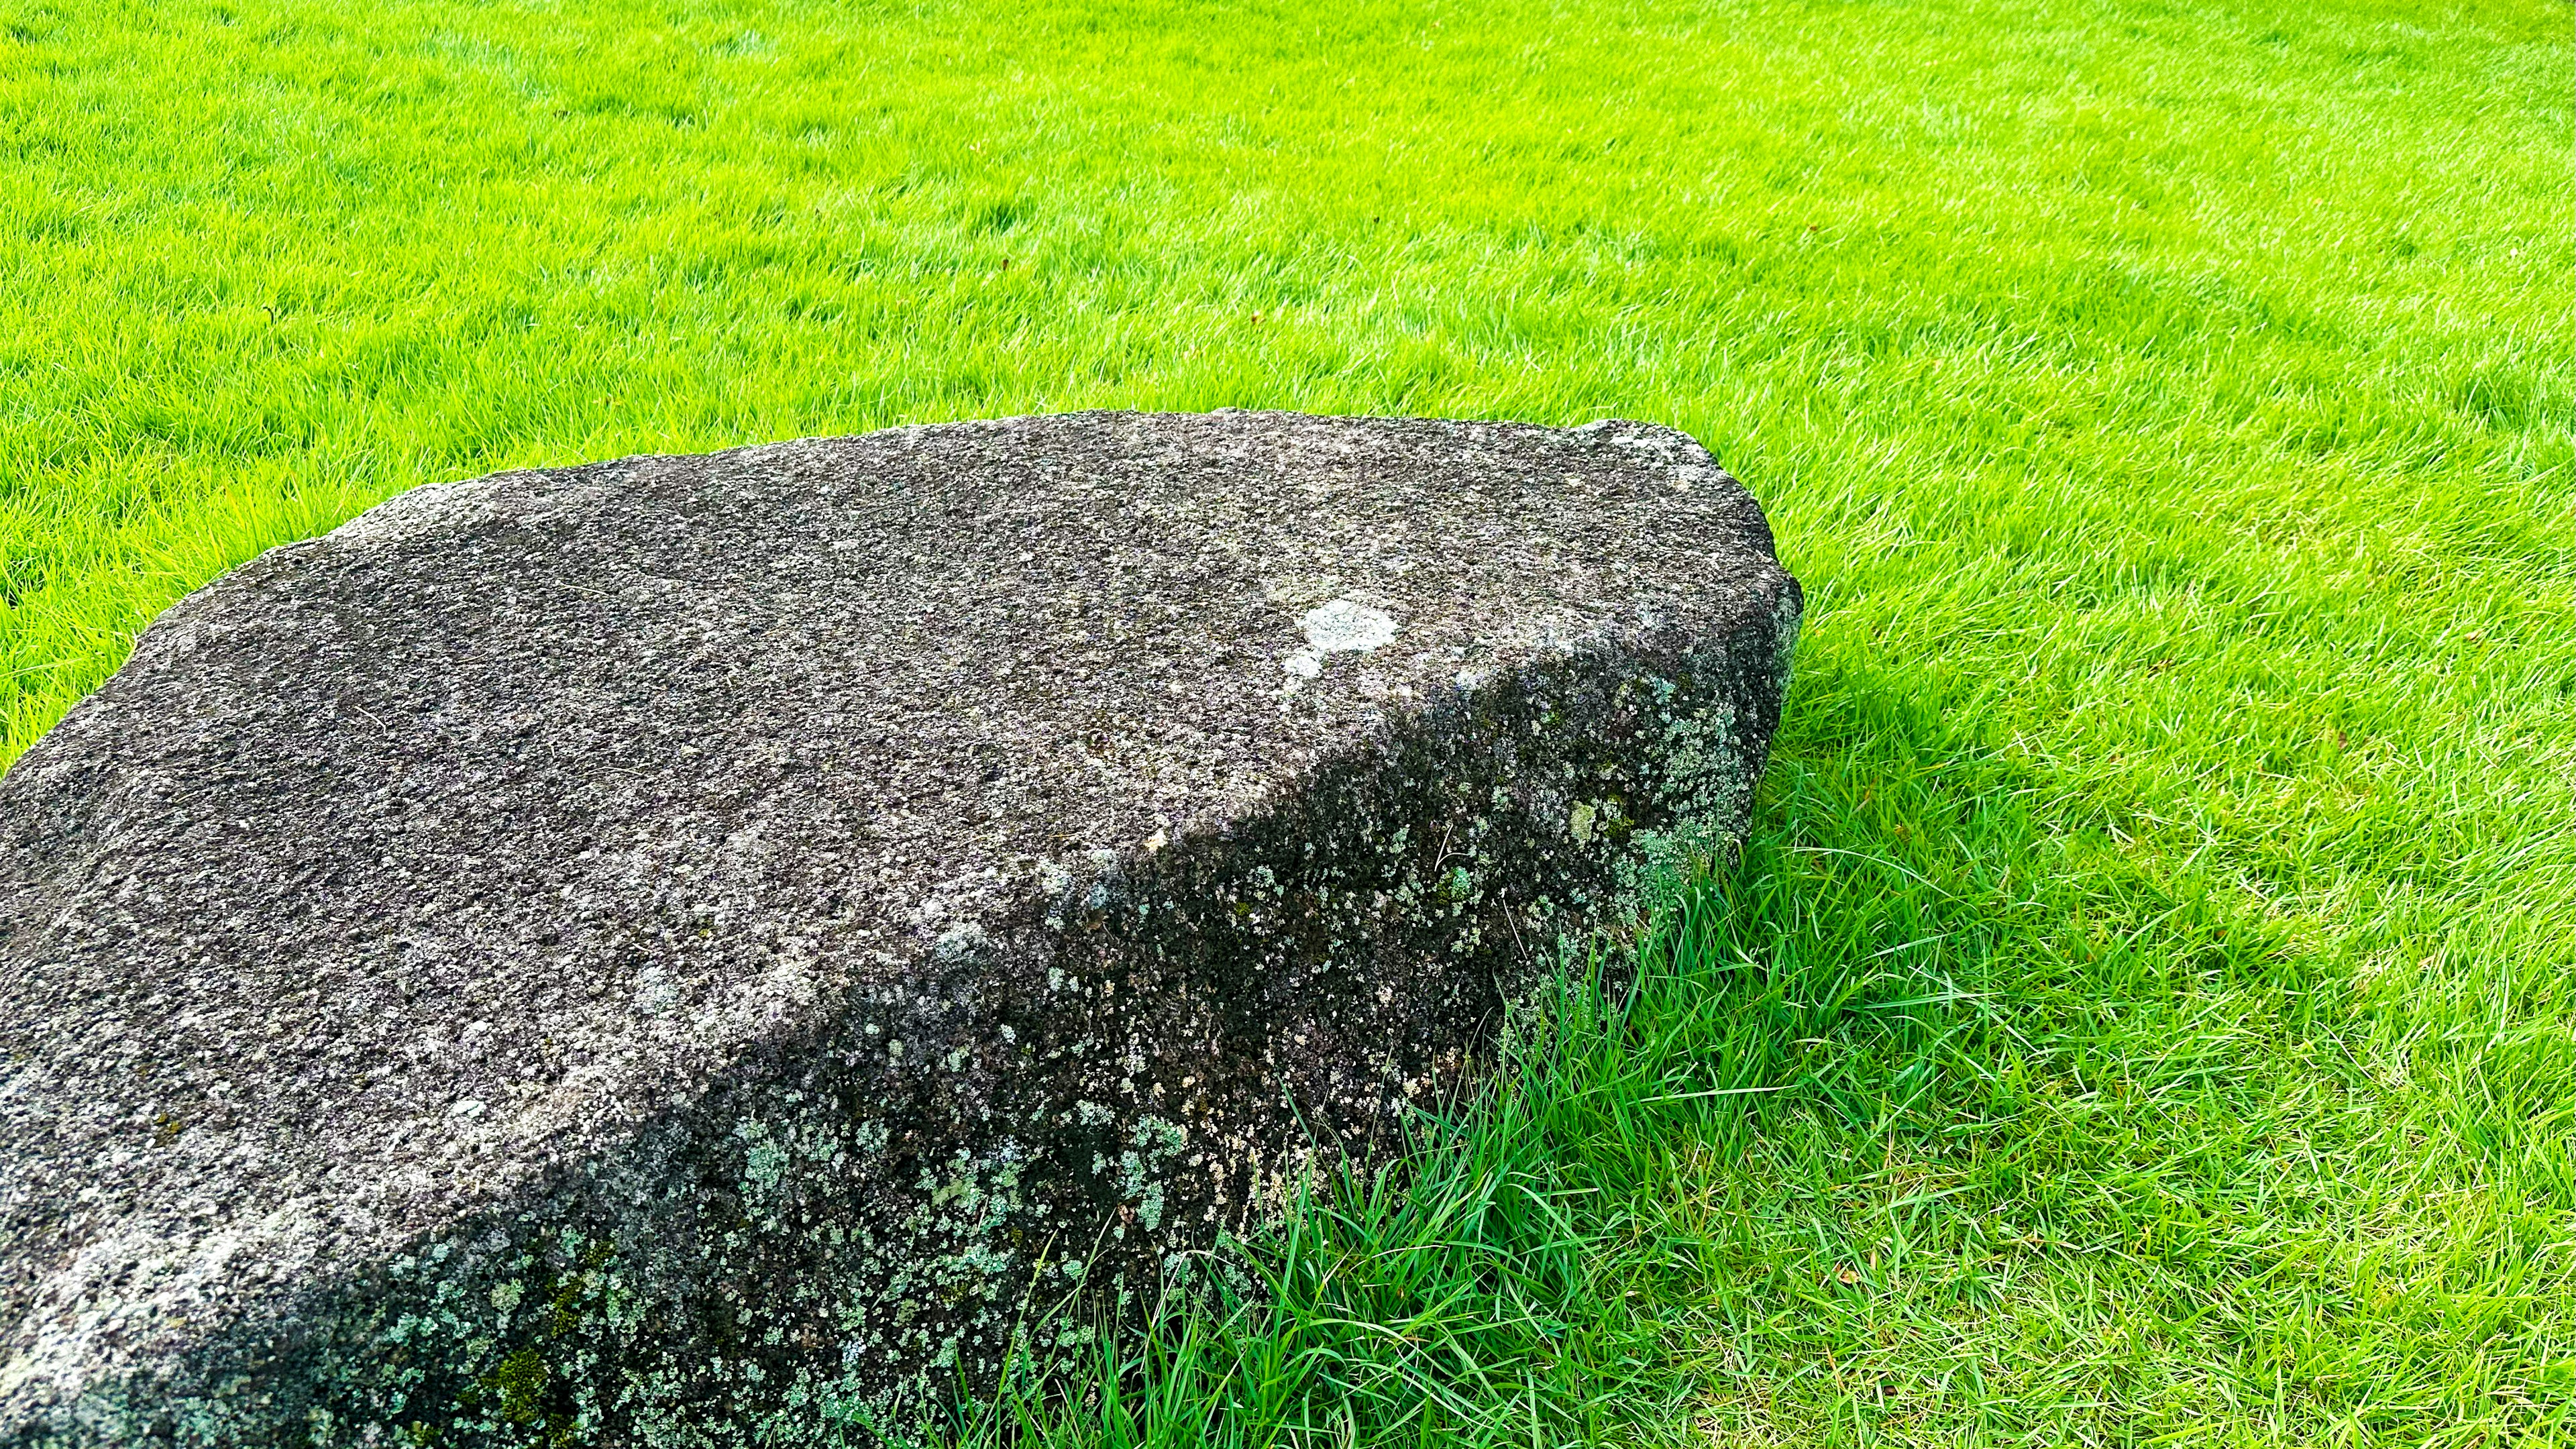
point(1346, 627)
point(1342, 626)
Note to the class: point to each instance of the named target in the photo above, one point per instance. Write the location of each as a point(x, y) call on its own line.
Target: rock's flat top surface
point(403, 863)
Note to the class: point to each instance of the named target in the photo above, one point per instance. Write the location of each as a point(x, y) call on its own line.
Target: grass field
point(2144, 1014)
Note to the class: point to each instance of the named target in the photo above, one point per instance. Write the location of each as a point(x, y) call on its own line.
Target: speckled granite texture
point(677, 950)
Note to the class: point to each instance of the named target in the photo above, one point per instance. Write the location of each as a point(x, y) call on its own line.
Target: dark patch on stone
point(681, 949)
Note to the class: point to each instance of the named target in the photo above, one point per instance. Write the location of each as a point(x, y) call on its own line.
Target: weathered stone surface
point(659, 950)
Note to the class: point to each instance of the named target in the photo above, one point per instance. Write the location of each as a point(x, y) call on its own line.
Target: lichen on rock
point(707, 950)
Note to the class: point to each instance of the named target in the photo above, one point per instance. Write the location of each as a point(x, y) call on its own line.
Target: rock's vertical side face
point(677, 950)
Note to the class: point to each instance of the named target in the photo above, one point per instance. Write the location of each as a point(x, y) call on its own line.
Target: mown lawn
point(2144, 1013)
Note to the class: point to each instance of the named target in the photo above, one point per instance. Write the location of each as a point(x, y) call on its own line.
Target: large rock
point(654, 952)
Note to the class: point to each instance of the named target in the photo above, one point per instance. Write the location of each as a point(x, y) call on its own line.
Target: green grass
point(2154, 954)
